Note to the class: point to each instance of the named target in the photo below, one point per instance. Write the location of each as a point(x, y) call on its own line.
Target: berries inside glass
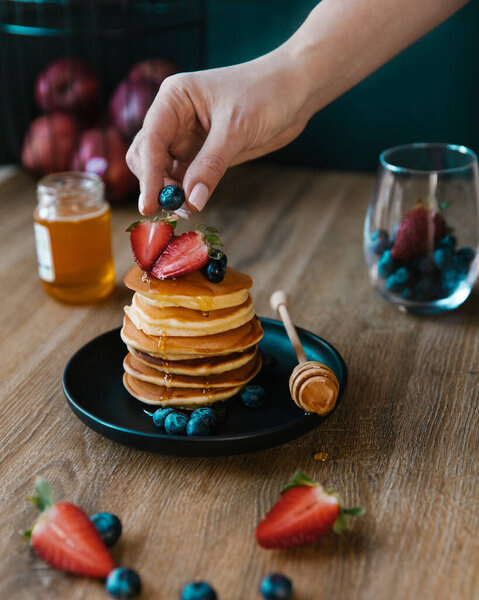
point(421, 232)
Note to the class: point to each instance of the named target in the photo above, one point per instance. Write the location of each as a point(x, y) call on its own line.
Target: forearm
point(343, 41)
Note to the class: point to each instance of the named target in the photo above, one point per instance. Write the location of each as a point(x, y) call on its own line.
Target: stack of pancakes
point(191, 342)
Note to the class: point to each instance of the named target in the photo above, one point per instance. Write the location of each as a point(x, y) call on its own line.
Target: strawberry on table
point(148, 239)
point(186, 253)
point(418, 231)
point(304, 513)
point(65, 538)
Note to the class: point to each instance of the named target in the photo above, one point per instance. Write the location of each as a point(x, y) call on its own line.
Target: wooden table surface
point(403, 443)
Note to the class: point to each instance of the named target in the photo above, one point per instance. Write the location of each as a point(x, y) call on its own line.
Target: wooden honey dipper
point(313, 386)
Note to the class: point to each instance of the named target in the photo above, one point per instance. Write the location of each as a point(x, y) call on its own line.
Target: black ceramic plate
point(92, 382)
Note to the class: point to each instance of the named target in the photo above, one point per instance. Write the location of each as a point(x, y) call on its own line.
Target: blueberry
point(160, 415)
point(380, 241)
point(460, 264)
point(386, 265)
point(442, 256)
point(205, 414)
point(407, 293)
point(449, 241)
point(253, 396)
point(171, 197)
point(393, 284)
point(175, 424)
point(402, 275)
point(197, 426)
point(108, 526)
point(123, 583)
point(198, 590)
point(466, 254)
point(220, 257)
point(426, 265)
point(276, 587)
point(269, 361)
point(215, 270)
point(425, 289)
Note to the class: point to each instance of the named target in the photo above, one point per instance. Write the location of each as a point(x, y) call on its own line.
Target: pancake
point(197, 367)
point(150, 393)
point(180, 321)
point(233, 378)
point(180, 348)
point(191, 291)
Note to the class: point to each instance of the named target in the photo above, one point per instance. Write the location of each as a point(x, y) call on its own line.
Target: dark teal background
point(427, 93)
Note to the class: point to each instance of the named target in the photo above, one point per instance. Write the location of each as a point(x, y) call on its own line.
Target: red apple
point(153, 70)
point(49, 143)
point(102, 151)
point(67, 84)
point(129, 104)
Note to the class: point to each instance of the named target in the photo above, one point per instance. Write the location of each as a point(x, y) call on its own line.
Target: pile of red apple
point(75, 134)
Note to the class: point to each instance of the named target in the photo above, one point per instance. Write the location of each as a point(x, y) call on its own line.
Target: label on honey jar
point(46, 270)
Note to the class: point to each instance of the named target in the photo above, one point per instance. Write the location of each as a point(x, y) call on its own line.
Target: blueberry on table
point(175, 424)
point(386, 265)
point(171, 197)
point(108, 526)
point(197, 426)
point(160, 415)
point(253, 396)
point(206, 414)
point(123, 583)
point(276, 587)
point(198, 590)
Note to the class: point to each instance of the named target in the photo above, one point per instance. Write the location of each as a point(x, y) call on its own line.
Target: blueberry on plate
point(171, 197)
point(108, 526)
point(276, 587)
point(160, 415)
point(197, 426)
point(123, 583)
point(206, 414)
point(175, 424)
point(253, 396)
point(269, 361)
point(198, 590)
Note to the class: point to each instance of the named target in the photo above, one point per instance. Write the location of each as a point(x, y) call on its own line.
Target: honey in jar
point(73, 238)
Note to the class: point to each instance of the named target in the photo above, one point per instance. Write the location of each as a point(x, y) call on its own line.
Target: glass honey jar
point(73, 238)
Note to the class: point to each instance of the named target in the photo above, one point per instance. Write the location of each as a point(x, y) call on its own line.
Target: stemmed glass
point(421, 232)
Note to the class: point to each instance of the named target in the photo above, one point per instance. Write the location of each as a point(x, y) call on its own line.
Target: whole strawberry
point(304, 513)
point(65, 538)
point(418, 231)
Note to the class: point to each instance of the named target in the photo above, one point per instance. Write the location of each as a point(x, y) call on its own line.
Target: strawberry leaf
point(214, 240)
point(341, 524)
point(133, 225)
point(44, 497)
point(355, 511)
point(299, 478)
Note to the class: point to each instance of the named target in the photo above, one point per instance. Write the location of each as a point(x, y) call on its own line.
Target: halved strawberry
point(148, 240)
point(304, 513)
point(417, 233)
point(186, 253)
point(65, 538)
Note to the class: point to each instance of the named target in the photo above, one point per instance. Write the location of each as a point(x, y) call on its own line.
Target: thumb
point(208, 167)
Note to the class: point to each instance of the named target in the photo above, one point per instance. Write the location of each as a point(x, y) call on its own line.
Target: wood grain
point(403, 443)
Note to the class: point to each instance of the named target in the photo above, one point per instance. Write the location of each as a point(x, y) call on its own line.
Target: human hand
point(201, 123)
